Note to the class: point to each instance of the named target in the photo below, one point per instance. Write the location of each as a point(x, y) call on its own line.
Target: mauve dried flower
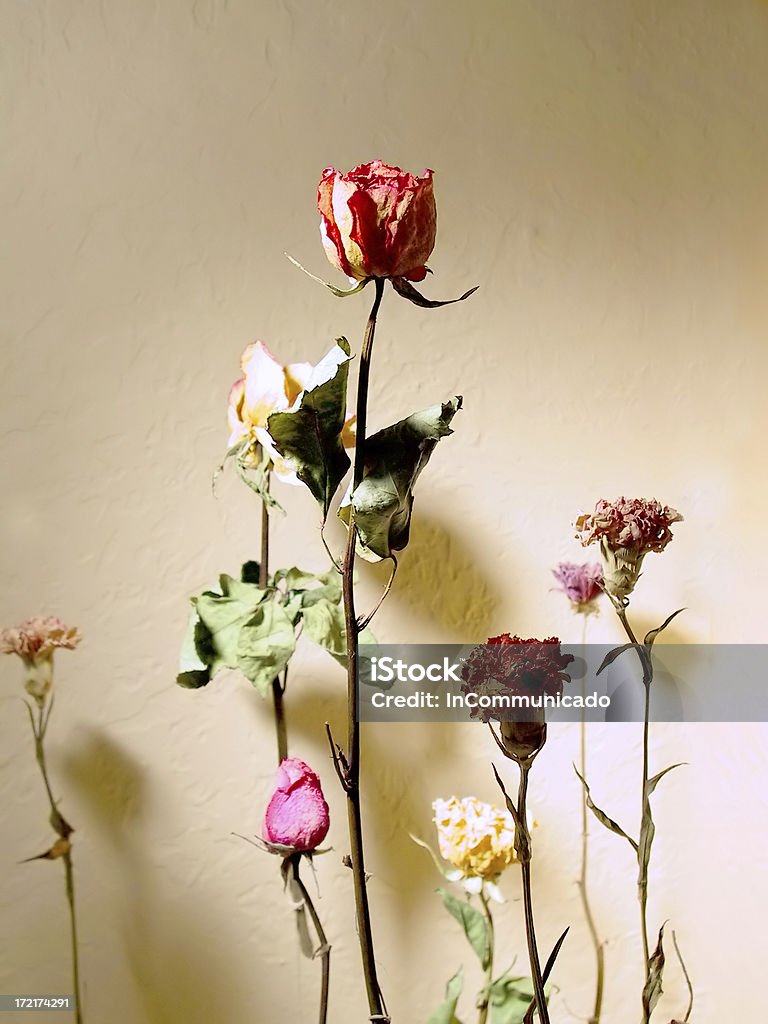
point(581, 584)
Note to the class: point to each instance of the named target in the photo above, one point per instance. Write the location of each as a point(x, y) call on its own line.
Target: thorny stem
point(64, 830)
point(645, 809)
point(352, 768)
point(323, 950)
point(588, 915)
point(281, 732)
point(523, 845)
point(486, 994)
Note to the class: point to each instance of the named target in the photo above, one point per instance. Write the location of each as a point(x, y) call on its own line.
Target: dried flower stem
point(485, 997)
point(64, 830)
point(645, 810)
point(585, 902)
point(281, 732)
point(352, 765)
point(523, 846)
point(324, 949)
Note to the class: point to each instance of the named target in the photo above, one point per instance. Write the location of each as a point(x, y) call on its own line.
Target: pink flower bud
point(297, 814)
point(377, 221)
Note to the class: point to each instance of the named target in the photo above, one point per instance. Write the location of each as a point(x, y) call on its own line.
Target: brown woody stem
point(281, 732)
point(352, 769)
point(523, 846)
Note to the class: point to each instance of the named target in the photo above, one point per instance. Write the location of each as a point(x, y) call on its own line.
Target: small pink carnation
point(37, 637)
point(297, 815)
point(626, 530)
point(34, 641)
point(581, 584)
point(640, 524)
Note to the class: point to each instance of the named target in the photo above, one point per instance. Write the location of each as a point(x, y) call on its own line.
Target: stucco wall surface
point(600, 171)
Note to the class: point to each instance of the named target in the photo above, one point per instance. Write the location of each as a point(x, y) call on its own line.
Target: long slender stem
point(281, 732)
point(524, 855)
point(352, 772)
point(324, 950)
point(64, 829)
point(486, 995)
point(645, 810)
point(69, 881)
point(588, 915)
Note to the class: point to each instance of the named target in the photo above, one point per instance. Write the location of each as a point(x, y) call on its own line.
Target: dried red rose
point(377, 221)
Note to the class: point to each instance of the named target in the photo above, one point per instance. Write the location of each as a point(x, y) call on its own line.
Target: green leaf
point(394, 457)
point(324, 624)
point(193, 671)
point(652, 989)
point(651, 636)
point(266, 644)
point(510, 999)
point(223, 616)
point(601, 816)
point(310, 435)
point(611, 656)
point(250, 572)
point(473, 924)
point(406, 289)
point(446, 1012)
point(647, 833)
point(653, 782)
point(294, 578)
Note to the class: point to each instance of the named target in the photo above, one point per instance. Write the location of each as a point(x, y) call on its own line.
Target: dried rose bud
point(377, 221)
point(626, 530)
point(297, 815)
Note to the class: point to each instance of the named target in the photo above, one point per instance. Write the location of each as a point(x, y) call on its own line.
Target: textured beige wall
point(601, 173)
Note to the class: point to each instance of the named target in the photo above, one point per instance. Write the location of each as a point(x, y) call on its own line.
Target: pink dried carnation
point(37, 637)
point(581, 584)
point(639, 523)
point(511, 665)
point(626, 529)
point(34, 641)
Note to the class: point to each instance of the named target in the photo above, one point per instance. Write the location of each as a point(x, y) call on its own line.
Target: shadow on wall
point(440, 579)
point(167, 947)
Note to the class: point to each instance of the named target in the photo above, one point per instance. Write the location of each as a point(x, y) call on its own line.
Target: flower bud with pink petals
point(297, 816)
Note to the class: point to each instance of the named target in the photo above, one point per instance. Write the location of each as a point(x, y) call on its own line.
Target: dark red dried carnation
point(515, 666)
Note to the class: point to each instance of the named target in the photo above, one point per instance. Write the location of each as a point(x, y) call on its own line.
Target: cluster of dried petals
point(626, 530)
point(377, 221)
point(266, 387)
point(38, 638)
point(638, 523)
point(515, 666)
point(34, 641)
point(582, 584)
point(477, 838)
